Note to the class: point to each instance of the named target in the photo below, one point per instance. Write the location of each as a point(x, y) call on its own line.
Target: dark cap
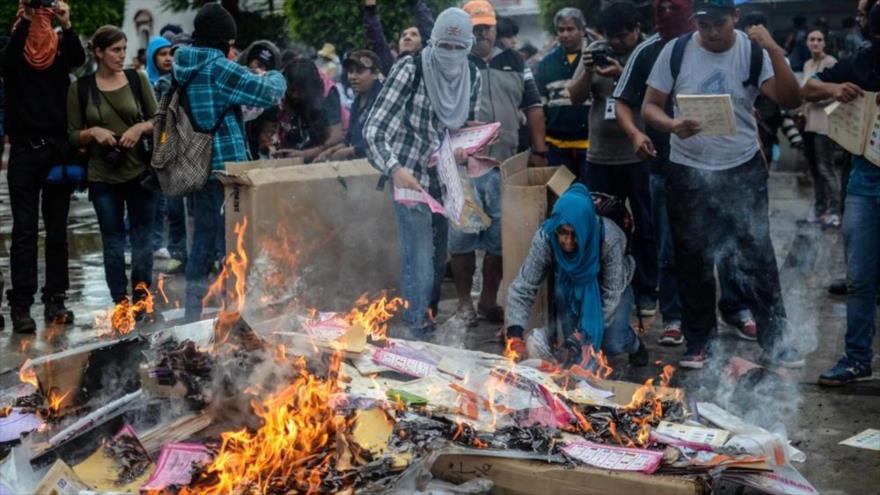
point(714, 8)
point(362, 58)
point(214, 24)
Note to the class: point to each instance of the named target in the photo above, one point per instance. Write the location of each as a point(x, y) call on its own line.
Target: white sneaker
point(162, 254)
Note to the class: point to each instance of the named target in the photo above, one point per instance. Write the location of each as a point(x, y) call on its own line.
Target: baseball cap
point(481, 12)
point(713, 8)
point(366, 59)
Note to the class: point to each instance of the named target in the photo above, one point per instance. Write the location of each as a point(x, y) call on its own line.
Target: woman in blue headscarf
point(592, 274)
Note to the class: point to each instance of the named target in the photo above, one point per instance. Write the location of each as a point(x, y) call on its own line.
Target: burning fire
point(123, 318)
point(288, 453)
point(230, 287)
point(27, 374)
point(375, 315)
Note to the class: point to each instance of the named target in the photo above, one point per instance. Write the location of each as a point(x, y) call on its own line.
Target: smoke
point(764, 395)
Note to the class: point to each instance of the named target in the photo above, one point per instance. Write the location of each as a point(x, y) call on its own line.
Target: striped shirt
point(633, 84)
point(402, 130)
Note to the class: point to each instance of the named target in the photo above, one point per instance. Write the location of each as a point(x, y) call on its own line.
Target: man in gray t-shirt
point(612, 165)
point(718, 185)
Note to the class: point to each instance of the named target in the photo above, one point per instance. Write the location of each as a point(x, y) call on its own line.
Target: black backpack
point(756, 61)
point(614, 209)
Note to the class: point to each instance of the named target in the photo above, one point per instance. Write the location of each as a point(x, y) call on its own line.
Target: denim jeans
point(111, 202)
point(423, 237)
point(732, 303)
point(724, 213)
point(208, 225)
point(619, 336)
point(29, 196)
point(573, 158)
point(861, 233)
point(631, 182)
point(172, 209)
point(819, 149)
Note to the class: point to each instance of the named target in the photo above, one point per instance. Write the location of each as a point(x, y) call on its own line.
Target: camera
point(114, 156)
point(600, 55)
point(36, 4)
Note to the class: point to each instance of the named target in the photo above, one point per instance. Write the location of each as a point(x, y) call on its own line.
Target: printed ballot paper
point(713, 112)
point(856, 126)
point(868, 439)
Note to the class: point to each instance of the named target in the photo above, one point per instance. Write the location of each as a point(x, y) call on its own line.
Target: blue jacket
point(213, 85)
point(156, 44)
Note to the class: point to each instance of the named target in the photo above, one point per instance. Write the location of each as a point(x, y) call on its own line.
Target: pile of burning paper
point(328, 403)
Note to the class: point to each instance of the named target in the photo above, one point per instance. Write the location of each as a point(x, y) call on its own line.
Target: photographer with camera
point(36, 66)
point(612, 165)
point(118, 106)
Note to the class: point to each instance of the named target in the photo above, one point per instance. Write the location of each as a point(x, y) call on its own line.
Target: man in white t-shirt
point(720, 182)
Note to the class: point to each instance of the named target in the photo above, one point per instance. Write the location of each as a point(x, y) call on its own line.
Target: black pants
point(29, 164)
point(632, 182)
point(724, 213)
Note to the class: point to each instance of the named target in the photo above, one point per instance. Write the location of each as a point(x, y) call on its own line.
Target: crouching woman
point(592, 293)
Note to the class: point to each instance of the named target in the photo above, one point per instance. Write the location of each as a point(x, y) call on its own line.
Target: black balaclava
point(214, 27)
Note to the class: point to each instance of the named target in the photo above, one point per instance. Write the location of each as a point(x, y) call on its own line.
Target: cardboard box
point(527, 196)
point(333, 227)
point(60, 480)
point(529, 477)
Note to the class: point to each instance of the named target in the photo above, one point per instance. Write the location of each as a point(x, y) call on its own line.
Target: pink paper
point(329, 326)
point(616, 458)
point(174, 466)
point(473, 139)
point(408, 197)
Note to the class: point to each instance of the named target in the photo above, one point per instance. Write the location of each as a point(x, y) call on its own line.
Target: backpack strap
point(756, 63)
point(83, 85)
point(134, 82)
point(678, 55)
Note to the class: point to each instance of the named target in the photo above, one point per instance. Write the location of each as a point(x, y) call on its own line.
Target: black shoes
point(55, 312)
point(22, 321)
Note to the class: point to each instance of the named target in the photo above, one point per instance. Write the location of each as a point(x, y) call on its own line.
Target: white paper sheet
point(713, 112)
point(868, 439)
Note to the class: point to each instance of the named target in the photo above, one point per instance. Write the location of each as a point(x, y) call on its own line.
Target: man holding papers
point(424, 97)
point(720, 181)
point(846, 82)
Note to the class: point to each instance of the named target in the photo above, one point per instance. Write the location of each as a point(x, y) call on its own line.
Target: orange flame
point(291, 446)
point(55, 401)
point(123, 316)
point(230, 287)
point(160, 286)
point(27, 374)
point(651, 396)
point(374, 315)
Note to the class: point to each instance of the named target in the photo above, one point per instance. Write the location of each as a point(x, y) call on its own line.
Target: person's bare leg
point(463, 266)
point(492, 273)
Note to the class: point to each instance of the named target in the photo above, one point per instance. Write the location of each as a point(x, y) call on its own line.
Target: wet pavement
point(809, 258)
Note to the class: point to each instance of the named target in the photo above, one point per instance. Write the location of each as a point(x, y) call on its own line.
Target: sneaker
point(647, 306)
point(831, 221)
point(22, 321)
point(787, 358)
point(640, 357)
point(671, 334)
point(746, 328)
point(467, 316)
point(693, 360)
point(845, 372)
point(839, 288)
point(162, 254)
point(56, 312)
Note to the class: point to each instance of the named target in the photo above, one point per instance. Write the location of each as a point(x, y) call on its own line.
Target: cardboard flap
point(277, 171)
point(562, 179)
point(514, 165)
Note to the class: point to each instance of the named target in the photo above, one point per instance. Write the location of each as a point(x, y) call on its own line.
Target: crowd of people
point(656, 207)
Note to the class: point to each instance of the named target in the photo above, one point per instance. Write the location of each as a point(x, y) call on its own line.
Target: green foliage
point(590, 8)
point(316, 22)
point(87, 15)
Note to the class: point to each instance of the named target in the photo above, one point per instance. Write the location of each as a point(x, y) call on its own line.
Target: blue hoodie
point(156, 44)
